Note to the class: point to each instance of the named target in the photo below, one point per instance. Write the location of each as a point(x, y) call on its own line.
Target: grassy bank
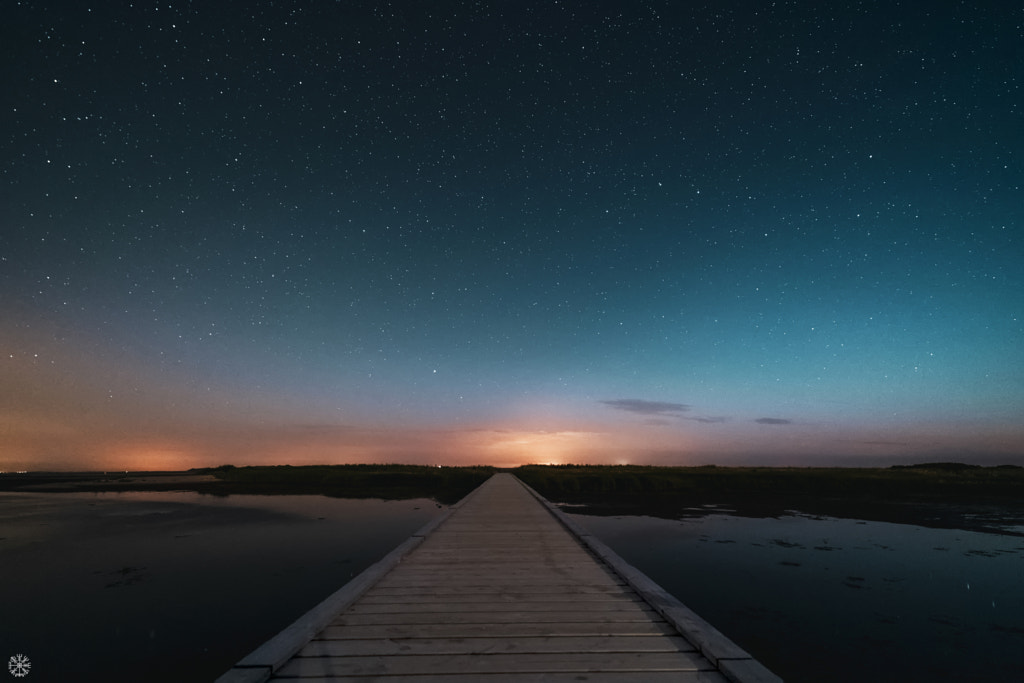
point(444, 484)
point(943, 495)
point(945, 482)
point(939, 494)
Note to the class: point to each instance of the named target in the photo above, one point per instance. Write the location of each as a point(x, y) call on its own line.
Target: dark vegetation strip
point(444, 484)
point(946, 482)
point(948, 495)
point(941, 495)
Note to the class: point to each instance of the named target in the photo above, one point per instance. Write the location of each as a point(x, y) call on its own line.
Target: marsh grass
point(945, 495)
point(936, 481)
point(444, 484)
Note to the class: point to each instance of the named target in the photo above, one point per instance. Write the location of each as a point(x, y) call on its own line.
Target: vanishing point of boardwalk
point(502, 588)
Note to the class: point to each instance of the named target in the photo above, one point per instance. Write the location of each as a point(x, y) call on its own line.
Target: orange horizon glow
point(67, 448)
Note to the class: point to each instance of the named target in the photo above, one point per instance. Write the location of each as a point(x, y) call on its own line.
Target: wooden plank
point(509, 583)
point(492, 556)
point(482, 577)
point(574, 568)
point(604, 617)
point(443, 592)
point(426, 602)
point(500, 555)
point(546, 677)
point(582, 663)
point(554, 597)
point(510, 630)
point(494, 561)
point(434, 607)
point(540, 572)
point(490, 644)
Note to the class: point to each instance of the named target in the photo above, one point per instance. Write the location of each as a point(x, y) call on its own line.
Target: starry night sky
point(503, 232)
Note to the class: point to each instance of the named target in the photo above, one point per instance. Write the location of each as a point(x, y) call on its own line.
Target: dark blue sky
point(499, 232)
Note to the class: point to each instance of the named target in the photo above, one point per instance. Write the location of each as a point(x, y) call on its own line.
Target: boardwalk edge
point(259, 665)
point(735, 663)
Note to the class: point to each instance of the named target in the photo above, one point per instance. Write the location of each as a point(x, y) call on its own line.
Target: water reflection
point(819, 598)
point(175, 586)
point(178, 586)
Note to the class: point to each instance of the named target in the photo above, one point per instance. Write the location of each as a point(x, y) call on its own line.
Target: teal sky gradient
point(456, 233)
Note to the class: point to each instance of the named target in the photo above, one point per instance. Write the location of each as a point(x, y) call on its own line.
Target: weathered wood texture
point(505, 590)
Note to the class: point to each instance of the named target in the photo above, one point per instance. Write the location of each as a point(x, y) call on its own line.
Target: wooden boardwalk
point(504, 587)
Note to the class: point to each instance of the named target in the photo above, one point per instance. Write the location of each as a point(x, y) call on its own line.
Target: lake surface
point(175, 586)
point(841, 600)
point(179, 586)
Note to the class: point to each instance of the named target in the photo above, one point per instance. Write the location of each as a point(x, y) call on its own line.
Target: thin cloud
point(709, 420)
point(642, 407)
point(772, 421)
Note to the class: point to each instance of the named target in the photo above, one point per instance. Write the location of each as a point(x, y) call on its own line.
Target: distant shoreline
point(940, 495)
point(944, 495)
point(393, 482)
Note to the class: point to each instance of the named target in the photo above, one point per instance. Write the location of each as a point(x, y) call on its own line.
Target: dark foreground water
point(178, 586)
point(128, 587)
point(840, 600)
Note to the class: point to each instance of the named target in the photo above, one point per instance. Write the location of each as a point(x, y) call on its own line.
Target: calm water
point(824, 599)
point(174, 586)
point(179, 586)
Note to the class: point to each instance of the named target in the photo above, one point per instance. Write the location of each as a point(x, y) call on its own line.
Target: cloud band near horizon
point(644, 407)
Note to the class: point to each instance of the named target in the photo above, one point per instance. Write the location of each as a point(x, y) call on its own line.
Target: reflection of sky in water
point(175, 586)
point(841, 600)
point(178, 583)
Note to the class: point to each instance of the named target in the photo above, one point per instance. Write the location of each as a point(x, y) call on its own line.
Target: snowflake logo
point(19, 665)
